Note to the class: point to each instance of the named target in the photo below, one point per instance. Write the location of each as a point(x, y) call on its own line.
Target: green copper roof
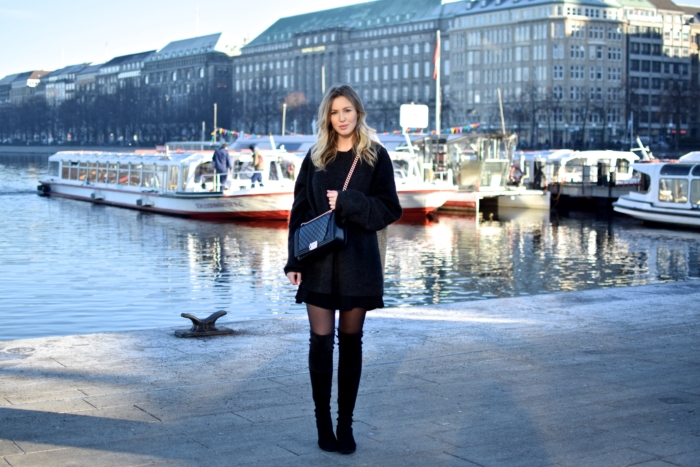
point(360, 16)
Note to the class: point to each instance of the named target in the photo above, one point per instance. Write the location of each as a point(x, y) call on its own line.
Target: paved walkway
point(596, 378)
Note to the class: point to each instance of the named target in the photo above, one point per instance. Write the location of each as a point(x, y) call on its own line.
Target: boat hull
point(258, 204)
point(420, 203)
point(246, 204)
point(646, 212)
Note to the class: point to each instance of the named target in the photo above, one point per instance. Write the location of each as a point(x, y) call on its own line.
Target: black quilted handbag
point(322, 234)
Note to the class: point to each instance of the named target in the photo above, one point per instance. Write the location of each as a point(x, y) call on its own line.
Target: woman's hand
point(332, 197)
point(294, 277)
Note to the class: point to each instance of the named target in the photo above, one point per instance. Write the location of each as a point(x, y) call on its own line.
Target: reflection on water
point(73, 267)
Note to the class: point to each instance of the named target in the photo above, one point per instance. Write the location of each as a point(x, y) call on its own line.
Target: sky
point(49, 34)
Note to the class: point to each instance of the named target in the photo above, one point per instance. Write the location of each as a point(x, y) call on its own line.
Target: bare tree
point(675, 105)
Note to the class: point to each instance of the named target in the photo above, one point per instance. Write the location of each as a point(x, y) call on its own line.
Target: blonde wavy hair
point(325, 150)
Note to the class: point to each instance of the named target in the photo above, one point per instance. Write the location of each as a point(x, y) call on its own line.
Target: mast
point(436, 76)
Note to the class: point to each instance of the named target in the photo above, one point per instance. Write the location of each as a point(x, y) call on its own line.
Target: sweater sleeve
point(299, 212)
point(381, 207)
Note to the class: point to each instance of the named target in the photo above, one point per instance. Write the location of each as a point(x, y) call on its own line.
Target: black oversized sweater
point(369, 204)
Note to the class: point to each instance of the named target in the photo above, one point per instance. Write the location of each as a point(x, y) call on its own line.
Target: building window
point(395, 74)
point(174, 75)
point(395, 51)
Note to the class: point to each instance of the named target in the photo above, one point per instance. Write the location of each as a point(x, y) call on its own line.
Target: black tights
point(322, 321)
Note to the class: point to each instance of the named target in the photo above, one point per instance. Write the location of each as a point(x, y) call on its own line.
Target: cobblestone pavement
point(595, 378)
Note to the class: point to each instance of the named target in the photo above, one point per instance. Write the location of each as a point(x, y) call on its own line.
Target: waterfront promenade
point(594, 378)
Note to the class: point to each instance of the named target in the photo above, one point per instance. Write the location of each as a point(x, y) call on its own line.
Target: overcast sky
point(48, 34)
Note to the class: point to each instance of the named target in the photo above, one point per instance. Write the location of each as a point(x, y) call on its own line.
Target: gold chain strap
point(345, 187)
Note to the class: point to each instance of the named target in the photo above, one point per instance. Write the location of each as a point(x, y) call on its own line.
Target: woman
point(349, 279)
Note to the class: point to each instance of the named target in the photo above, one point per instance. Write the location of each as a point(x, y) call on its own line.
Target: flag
point(436, 59)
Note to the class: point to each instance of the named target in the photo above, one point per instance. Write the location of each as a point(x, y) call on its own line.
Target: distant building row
point(181, 67)
point(596, 62)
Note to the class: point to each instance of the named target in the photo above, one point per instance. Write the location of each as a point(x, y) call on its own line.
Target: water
point(71, 267)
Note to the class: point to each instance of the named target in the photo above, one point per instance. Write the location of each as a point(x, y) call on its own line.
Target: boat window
point(92, 172)
point(82, 174)
point(53, 168)
point(102, 173)
point(160, 173)
point(173, 175)
point(695, 191)
point(575, 165)
point(204, 172)
point(123, 174)
point(65, 170)
point(135, 178)
point(675, 169)
point(273, 171)
point(112, 172)
point(644, 181)
point(185, 173)
point(288, 169)
point(696, 171)
point(147, 176)
point(73, 170)
point(623, 166)
point(673, 190)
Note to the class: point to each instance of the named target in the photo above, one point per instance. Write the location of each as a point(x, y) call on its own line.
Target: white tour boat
point(418, 197)
point(669, 193)
point(176, 183)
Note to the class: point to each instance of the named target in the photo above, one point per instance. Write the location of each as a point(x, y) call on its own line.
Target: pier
point(605, 377)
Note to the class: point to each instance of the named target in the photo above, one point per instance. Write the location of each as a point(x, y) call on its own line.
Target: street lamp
point(284, 116)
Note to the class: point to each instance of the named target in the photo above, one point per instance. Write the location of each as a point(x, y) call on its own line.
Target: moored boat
point(177, 183)
point(669, 193)
point(419, 198)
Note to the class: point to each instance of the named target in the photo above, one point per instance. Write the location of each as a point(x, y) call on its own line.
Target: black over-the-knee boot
point(349, 373)
point(321, 371)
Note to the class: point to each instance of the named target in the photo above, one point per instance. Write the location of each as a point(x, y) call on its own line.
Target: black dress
point(350, 277)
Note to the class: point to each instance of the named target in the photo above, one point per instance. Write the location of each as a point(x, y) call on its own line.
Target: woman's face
point(343, 116)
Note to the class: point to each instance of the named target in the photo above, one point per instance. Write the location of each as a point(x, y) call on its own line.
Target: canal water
point(71, 267)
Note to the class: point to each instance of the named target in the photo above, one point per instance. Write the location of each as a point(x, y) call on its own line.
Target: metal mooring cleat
point(204, 327)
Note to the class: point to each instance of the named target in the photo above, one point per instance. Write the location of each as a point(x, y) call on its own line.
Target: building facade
point(121, 72)
point(59, 86)
point(20, 87)
point(590, 73)
point(384, 49)
point(189, 66)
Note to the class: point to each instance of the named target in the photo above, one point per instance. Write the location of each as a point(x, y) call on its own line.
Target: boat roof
point(693, 156)
point(594, 155)
point(125, 157)
point(544, 154)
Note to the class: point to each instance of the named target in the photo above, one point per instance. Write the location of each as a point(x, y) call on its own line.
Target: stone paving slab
point(594, 378)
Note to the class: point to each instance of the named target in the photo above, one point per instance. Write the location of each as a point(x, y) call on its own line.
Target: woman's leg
point(321, 342)
point(349, 373)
